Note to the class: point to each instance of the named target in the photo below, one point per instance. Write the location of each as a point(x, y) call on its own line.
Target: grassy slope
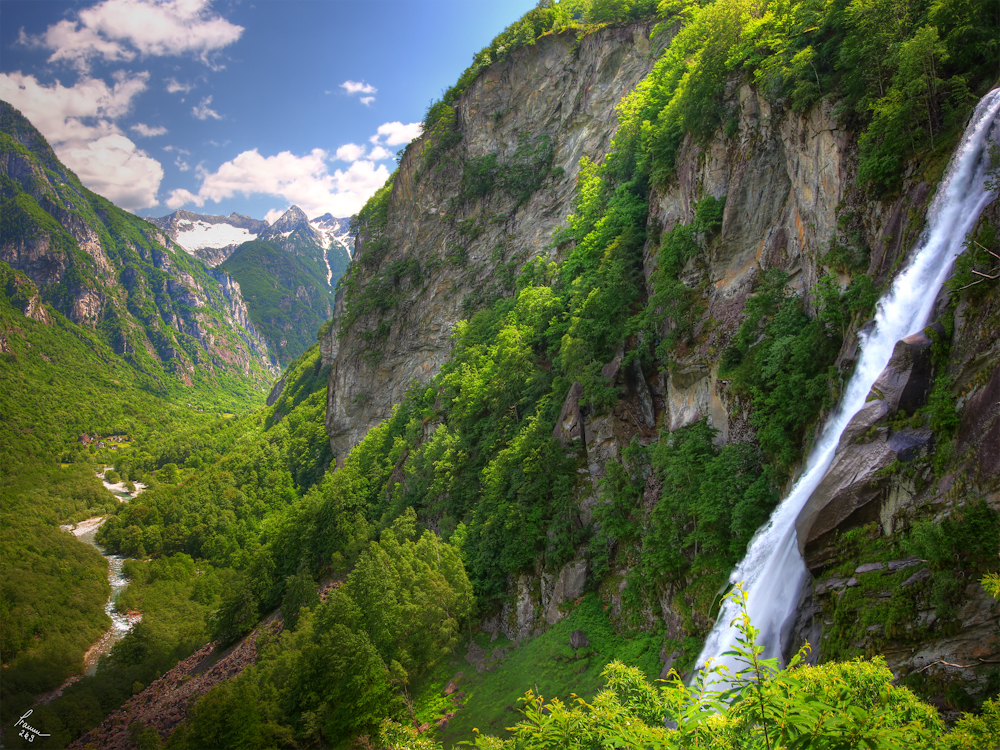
point(546, 664)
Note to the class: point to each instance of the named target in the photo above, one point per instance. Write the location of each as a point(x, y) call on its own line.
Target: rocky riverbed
point(121, 623)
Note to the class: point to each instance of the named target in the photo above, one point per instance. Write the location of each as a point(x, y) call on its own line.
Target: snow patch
point(329, 271)
point(200, 234)
point(328, 236)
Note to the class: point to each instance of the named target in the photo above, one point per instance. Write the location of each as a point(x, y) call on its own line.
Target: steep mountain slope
point(321, 243)
point(439, 256)
point(287, 295)
point(703, 313)
point(288, 270)
point(117, 275)
point(333, 231)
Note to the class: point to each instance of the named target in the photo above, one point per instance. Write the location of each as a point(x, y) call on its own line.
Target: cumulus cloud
point(120, 30)
point(380, 154)
point(305, 181)
point(176, 87)
point(146, 131)
point(182, 165)
point(84, 111)
point(350, 152)
point(367, 100)
point(273, 215)
point(203, 111)
point(396, 133)
point(112, 166)
point(358, 87)
point(79, 123)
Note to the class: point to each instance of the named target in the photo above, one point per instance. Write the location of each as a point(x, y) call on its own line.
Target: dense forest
point(289, 297)
point(365, 578)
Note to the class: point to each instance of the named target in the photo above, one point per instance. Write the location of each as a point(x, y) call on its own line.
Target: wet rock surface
point(857, 481)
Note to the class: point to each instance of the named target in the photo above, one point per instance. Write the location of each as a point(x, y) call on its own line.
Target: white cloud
point(122, 29)
point(396, 133)
point(350, 152)
point(78, 122)
point(84, 111)
point(358, 87)
point(112, 166)
point(176, 87)
point(274, 214)
point(367, 100)
point(146, 131)
point(380, 154)
point(301, 180)
point(203, 111)
point(181, 164)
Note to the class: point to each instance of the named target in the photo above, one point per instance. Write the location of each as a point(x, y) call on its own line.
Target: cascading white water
point(773, 571)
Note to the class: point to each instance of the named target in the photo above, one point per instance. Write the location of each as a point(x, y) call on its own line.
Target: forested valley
point(527, 543)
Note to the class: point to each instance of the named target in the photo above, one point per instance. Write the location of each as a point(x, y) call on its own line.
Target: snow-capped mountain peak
point(332, 230)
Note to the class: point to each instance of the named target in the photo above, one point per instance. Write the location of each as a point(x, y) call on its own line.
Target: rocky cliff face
point(791, 197)
point(107, 270)
point(558, 90)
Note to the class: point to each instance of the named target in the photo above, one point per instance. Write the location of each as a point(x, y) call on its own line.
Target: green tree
point(238, 613)
point(300, 591)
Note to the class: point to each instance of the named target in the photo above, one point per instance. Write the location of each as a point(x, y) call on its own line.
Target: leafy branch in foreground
point(759, 705)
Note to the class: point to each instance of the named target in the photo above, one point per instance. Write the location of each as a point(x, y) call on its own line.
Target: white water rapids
point(773, 571)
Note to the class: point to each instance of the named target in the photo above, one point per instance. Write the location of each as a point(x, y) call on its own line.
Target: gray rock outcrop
point(566, 89)
point(868, 446)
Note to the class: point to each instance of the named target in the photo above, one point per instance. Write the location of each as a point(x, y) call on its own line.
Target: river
point(121, 624)
point(85, 531)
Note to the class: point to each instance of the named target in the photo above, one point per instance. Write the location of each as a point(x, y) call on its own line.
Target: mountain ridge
point(116, 274)
point(213, 238)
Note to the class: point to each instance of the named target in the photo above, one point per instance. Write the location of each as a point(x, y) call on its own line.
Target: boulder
point(870, 414)
point(846, 492)
point(452, 686)
point(910, 443)
point(689, 392)
point(276, 391)
point(845, 498)
point(906, 380)
point(611, 369)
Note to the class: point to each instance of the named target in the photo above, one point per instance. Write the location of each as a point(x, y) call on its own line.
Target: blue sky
point(237, 105)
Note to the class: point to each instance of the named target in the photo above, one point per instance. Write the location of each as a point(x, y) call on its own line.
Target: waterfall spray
point(773, 572)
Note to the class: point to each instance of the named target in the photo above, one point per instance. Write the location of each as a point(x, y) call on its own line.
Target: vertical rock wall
point(563, 88)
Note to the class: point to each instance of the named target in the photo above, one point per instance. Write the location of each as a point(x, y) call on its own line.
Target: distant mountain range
point(246, 296)
point(288, 270)
point(214, 238)
point(72, 254)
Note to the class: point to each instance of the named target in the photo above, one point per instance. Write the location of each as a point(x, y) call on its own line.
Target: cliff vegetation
point(572, 367)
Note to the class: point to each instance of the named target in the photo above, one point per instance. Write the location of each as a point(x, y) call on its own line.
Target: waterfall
point(773, 571)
